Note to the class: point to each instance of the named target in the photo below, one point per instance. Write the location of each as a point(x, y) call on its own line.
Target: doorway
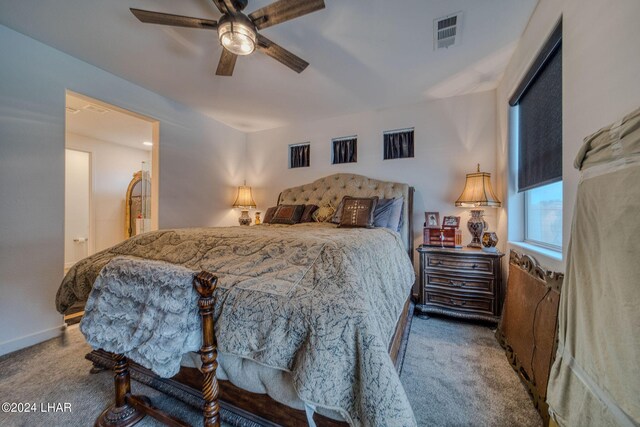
point(107, 150)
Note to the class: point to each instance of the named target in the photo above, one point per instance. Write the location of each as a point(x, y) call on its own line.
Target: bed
point(247, 281)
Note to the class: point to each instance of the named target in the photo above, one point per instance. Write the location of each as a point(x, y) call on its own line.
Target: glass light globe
point(237, 37)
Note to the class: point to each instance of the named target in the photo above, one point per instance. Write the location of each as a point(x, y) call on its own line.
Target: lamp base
point(476, 226)
point(244, 219)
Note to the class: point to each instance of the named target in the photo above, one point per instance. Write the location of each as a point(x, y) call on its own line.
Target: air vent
point(72, 110)
point(446, 31)
point(96, 108)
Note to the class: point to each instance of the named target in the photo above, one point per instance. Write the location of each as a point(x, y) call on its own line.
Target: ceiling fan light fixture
point(237, 36)
point(238, 33)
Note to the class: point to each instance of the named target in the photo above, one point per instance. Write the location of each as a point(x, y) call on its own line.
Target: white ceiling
point(110, 126)
point(364, 54)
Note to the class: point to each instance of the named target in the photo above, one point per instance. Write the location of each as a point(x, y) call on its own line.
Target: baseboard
point(31, 339)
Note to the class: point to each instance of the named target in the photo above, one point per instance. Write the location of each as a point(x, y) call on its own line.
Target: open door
point(77, 200)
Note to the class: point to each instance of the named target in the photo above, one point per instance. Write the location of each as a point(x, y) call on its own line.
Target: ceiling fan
point(238, 33)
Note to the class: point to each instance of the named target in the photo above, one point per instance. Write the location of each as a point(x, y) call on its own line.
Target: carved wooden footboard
point(128, 409)
point(239, 407)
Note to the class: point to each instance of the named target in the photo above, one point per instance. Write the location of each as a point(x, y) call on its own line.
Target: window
point(300, 155)
point(344, 150)
point(543, 216)
point(398, 144)
point(538, 101)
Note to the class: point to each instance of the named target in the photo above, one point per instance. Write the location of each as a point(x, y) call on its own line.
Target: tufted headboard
point(331, 189)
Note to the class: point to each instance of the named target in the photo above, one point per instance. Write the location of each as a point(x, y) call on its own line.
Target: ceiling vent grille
point(96, 108)
point(72, 110)
point(446, 31)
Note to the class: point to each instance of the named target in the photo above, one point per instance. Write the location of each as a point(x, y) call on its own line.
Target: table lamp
point(477, 192)
point(244, 202)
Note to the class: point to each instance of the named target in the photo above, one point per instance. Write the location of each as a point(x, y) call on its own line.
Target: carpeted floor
point(455, 374)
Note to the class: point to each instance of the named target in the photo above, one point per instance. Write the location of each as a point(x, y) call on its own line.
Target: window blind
point(539, 103)
point(299, 155)
point(398, 144)
point(345, 150)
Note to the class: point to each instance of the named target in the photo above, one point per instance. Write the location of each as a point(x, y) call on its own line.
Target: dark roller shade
point(300, 155)
point(540, 119)
point(398, 145)
point(345, 150)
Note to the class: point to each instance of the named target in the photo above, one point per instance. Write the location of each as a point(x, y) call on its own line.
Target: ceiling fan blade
point(230, 7)
point(174, 20)
point(284, 10)
point(281, 54)
point(227, 63)
point(220, 6)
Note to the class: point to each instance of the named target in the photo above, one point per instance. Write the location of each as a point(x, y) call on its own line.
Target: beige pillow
point(323, 213)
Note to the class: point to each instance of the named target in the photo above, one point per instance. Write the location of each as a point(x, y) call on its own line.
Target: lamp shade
point(478, 192)
point(244, 198)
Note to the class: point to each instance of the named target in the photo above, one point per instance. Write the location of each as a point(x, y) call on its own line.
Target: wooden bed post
point(205, 283)
point(121, 413)
point(128, 409)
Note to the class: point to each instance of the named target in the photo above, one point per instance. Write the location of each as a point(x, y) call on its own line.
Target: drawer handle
point(474, 266)
point(457, 284)
point(439, 263)
point(452, 301)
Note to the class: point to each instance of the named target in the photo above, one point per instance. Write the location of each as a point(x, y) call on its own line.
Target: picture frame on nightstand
point(432, 220)
point(451, 222)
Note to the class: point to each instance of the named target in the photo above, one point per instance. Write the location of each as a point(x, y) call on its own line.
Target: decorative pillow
point(358, 212)
point(323, 213)
point(395, 218)
point(382, 213)
point(268, 215)
point(337, 216)
point(287, 214)
point(308, 212)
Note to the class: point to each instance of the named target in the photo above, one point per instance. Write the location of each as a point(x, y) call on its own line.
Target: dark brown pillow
point(268, 215)
point(308, 211)
point(287, 214)
point(358, 212)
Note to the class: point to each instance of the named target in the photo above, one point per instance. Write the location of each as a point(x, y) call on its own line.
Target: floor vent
point(446, 31)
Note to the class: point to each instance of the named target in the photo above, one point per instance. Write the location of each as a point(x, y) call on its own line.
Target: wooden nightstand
point(464, 283)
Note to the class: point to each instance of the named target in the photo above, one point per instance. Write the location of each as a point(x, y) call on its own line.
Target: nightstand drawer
point(460, 263)
point(473, 304)
point(460, 282)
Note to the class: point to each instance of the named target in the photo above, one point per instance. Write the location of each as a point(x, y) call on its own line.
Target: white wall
point(113, 166)
point(601, 67)
point(451, 136)
point(200, 163)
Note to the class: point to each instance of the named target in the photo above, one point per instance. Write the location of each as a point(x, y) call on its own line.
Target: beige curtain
point(595, 379)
